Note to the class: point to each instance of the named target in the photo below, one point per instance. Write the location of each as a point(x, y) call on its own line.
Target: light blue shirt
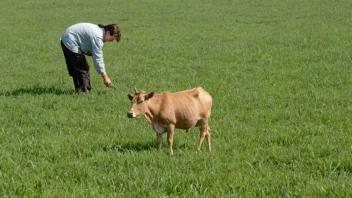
point(86, 37)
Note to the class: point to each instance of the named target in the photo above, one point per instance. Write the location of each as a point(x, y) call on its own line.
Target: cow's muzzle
point(130, 114)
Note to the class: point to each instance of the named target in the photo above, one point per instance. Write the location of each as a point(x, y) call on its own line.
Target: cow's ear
point(149, 96)
point(130, 96)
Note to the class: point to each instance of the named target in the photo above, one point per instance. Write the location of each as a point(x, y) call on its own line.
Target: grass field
point(279, 72)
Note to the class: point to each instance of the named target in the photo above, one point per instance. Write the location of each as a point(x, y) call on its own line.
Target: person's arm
point(98, 60)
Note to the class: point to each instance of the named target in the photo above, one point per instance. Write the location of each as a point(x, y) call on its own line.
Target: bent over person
point(87, 39)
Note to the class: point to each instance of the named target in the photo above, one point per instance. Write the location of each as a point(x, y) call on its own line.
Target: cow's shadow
point(141, 146)
point(37, 90)
point(131, 147)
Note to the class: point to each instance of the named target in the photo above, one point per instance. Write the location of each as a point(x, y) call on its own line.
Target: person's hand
point(107, 80)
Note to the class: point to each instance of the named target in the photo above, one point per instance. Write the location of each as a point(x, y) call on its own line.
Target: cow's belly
point(186, 124)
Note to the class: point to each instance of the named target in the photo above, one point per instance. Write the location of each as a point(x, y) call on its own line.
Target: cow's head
point(138, 103)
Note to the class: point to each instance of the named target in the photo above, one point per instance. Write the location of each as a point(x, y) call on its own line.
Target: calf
point(167, 111)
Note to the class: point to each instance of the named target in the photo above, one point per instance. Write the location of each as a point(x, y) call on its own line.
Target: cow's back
point(185, 108)
point(204, 101)
point(196, 97)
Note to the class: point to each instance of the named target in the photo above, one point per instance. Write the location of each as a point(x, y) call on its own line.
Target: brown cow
point(167, 111)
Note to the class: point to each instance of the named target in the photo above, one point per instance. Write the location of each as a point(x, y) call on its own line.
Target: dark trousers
point(78, 69)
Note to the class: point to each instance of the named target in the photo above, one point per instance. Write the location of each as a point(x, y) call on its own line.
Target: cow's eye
point(139, 102)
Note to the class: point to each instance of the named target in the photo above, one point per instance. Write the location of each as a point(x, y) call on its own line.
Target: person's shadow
point(37, 90)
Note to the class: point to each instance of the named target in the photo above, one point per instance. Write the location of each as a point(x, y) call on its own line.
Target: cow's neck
point(153, 108)
point(148, 117)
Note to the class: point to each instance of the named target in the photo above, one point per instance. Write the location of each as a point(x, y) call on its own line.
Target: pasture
point(279, 73)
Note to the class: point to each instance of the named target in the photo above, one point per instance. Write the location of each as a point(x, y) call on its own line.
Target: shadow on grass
point(141, 146)
point(37, 90)
point(128, 147)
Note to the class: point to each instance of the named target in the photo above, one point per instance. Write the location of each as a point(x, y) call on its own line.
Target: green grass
point(279, 73)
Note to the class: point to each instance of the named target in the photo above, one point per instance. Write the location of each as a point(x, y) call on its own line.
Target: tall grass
point(279, 73)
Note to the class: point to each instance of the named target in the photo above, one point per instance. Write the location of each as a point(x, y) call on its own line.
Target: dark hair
point(113, 29)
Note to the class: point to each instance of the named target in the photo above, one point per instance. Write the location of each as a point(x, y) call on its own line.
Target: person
point(87, 39)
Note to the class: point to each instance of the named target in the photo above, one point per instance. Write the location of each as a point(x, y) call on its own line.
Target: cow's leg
point(202, 135)
point(158, 141)
point(208, 138)
point(170, 137)
point(204, 130)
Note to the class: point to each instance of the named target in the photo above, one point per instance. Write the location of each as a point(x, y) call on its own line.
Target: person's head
point(112, 32)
